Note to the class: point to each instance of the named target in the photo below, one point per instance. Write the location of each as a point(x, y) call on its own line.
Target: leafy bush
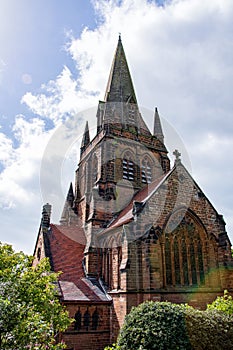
point(155, 325)
point(223, 303)
point(209, 330)
point(163, 325)
point(113, 347)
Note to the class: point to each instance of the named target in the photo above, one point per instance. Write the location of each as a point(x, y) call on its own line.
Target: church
point(133, 227)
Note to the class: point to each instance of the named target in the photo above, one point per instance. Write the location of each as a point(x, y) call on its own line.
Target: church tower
point(122, 158)
point(123, 153)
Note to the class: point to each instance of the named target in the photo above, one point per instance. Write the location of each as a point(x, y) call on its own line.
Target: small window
point(128, 167)
point(86, 320)
point(164, 164)
point(95, 319)
point(78, 320)
point(146, 171)
point(38, 254)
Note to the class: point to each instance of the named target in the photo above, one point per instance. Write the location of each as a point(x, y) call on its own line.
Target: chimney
point(46, 213)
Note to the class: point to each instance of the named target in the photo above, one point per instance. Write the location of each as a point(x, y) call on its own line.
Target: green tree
point(31, 316)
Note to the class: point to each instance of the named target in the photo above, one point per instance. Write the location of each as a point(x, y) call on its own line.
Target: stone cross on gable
point(177, 154)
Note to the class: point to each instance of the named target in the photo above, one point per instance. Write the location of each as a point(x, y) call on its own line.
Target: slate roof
point(65, 248)
point(84, 290)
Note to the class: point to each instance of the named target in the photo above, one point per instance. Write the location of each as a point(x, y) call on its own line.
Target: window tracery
point(185, 262)
point(200, 262)
point(184, 253)
point(177, 261)
point(193, 264)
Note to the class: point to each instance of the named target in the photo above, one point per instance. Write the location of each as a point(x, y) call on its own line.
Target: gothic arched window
point(128, 167)
point(146, 171)
point(168, 262)
point(78, 320)
point(200, 262)
point(94, 169)
point(184, 260)
point(95, 319)
point(177, 261)
point(86, 320)
point(119, 259)
point(164, 164)
point(193, 264)
point(109, 267)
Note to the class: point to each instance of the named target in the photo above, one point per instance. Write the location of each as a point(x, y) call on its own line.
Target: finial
point(158, 131)
point(86, 137)
point(70, 194)
point(177, 154)
point(119, 36)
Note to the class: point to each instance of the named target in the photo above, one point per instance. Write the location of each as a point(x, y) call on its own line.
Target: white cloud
point(20, 180)
point(21, 163)
point(6, 149)
point(61, 97)
point(180, 58)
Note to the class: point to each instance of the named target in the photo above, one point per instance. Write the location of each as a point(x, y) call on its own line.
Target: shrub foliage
point(155, 325)
point(209, 330)
point(163, 325)
point(222, 303)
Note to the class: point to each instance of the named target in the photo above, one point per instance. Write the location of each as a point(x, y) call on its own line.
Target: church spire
point(68, 216)
point(158, 132)
point(85, 139)
point(70, 195)
point(120, 107)
point(120, 87)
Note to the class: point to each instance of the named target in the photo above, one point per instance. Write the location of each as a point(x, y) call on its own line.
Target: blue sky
point(55, 59)
point(33, 37)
